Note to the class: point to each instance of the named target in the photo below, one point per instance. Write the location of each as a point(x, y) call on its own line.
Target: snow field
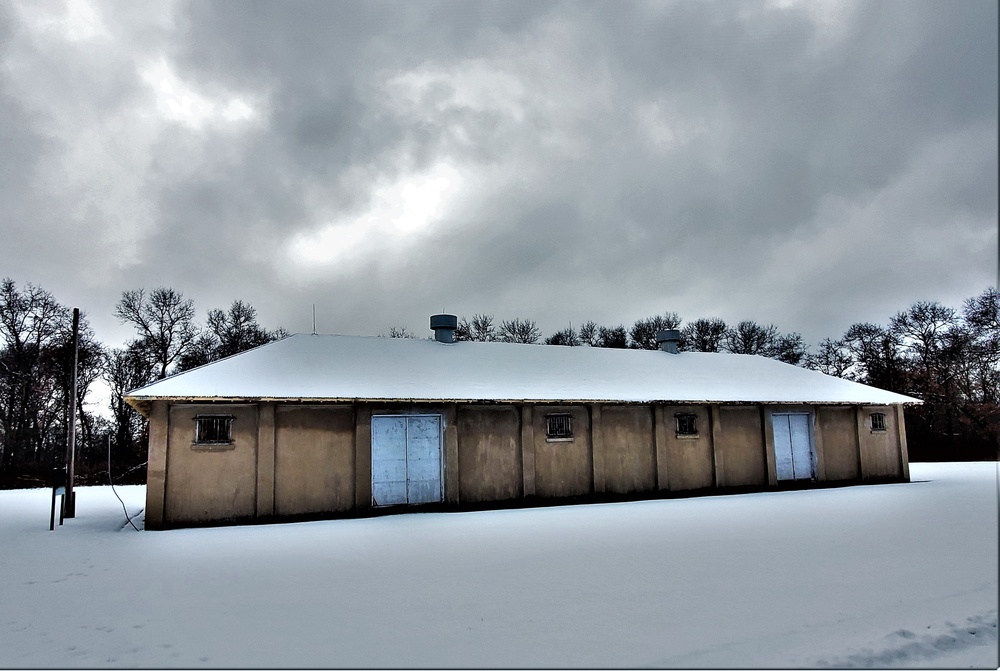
point(881, 575)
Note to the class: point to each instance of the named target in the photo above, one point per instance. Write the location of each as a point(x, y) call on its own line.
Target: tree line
point(948, 357)
point(36, 363)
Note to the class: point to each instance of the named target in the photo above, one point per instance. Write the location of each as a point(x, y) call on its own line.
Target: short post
point(58, 489)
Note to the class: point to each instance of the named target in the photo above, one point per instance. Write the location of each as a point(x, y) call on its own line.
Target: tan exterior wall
point(739, 446)
point(207, 483)
point(289, 459)
point(690, 460)
point(313, 459)
point(629, 449)
point(489, 453)
point(836, 425)
point(880, 453)
point(563, 468)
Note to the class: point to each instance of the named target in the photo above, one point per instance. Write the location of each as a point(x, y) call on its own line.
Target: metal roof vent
point(667, 340)
point(444, 327)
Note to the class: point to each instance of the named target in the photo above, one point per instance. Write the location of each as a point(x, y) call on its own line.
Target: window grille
point(687, 424)
point(878, 421)
point(558, 426)
point(213, 429)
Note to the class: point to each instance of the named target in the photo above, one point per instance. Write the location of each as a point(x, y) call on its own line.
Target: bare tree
point(704, 335)
point(590, 333)
point(877, 359)
point(615, 337)
point(790, 348)
point(227, 333)
point(480, 329)
point(519, 331)
point(749, 337)
point(36, 364)
point(400, 332)
point(832, 358)
point(126, 369)
point(643, 331)
point(164, 322)
point(567, 336)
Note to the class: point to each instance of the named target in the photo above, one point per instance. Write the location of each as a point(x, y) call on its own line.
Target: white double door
point(406, 459)
point(794, 457)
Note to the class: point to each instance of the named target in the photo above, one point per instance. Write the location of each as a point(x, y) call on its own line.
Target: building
point(326, 425)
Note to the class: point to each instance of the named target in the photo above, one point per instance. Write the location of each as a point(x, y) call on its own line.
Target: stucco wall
point(690, 461)
point(313, 459)
point(629, 449)
point(836, 426)
point(739, 446)
point(563, 468)
point(206, 483)
point(289, 459)
point(880, 456)
point(489, 453)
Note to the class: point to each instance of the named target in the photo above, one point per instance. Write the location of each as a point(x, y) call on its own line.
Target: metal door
point(793, 451)
point(406, 459)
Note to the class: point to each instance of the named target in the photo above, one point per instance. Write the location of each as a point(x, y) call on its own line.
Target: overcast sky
point(802, 163)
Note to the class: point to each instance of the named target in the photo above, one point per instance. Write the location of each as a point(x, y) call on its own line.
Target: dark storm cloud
point(803, 164)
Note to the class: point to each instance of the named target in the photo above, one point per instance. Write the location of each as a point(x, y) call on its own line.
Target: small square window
point(687, 424)
point(559, 427)
point(213, 429)
point(878, 421)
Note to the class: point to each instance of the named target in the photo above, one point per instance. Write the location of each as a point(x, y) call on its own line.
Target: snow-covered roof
point(334, 367)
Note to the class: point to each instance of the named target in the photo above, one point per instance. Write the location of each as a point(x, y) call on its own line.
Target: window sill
point(558, 440)
point(687, 436)
point(213, 447)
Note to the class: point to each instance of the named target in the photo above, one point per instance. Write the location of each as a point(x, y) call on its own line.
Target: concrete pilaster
point(156, 466)
point(904, 455)
point(452, 484)
point(265, 459)
point(718, 468)
point(528, 449)
point(597, 448)
point(363, 457)
point(660, 429)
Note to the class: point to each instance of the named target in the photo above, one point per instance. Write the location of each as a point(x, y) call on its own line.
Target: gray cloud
point(806, 165)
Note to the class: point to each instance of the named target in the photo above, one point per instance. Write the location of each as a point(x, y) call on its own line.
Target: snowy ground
point(886, 575)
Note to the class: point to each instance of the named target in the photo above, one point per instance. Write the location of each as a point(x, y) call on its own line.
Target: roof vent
point(444, 327)
point(667, 340)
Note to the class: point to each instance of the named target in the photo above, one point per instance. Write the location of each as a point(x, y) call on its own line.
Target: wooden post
point(69, 500)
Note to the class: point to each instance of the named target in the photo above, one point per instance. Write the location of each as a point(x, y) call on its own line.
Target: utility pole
point(69, 502)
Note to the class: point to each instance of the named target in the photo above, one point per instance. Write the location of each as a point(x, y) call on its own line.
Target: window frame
point(556, 434)
point(876, 421)
point(686, 432)
point(200, 422)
